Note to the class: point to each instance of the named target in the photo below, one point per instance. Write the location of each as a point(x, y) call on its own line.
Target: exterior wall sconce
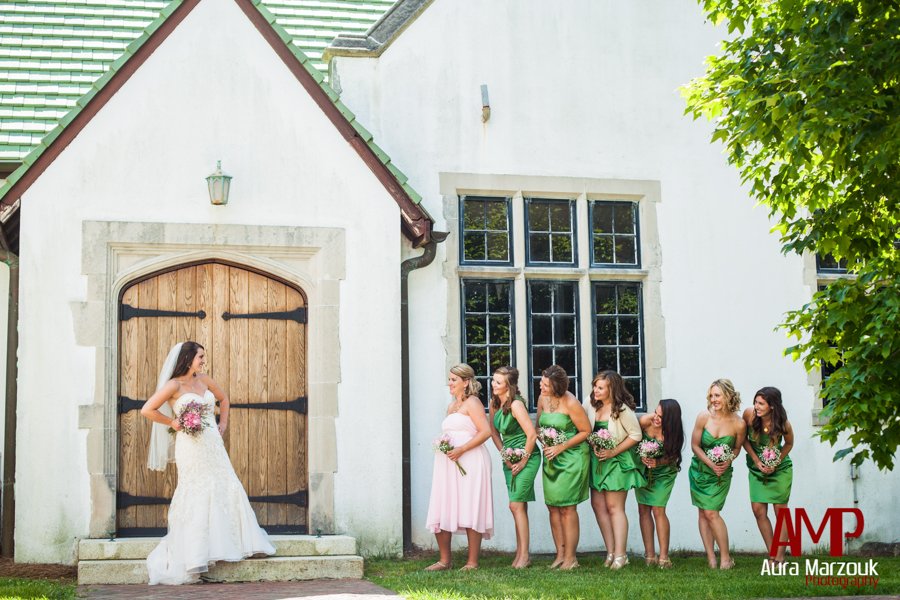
point(485, 104)
point(219, 184)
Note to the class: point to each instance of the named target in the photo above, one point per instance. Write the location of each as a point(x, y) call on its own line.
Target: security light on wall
point(219, 184)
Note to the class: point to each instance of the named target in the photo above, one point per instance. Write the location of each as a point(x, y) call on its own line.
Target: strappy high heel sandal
point(619, 562)
point(725, 566)
point(665, 563)
point(438, 566)
point(609, 560)
point(651, 561)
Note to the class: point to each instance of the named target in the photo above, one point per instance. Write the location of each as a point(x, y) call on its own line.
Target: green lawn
point(21, 589)
point(690, 578)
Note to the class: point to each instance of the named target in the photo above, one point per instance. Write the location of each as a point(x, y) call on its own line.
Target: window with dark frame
point(826, 263)
point(614, 234)
point(550, 226)
point(553, 331)
point(487, 328)
point(827, 369)
point(486, 236)
point(618, 334)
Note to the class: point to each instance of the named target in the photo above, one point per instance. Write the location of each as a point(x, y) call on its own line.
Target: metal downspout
point(406, 267)
point(8, 511)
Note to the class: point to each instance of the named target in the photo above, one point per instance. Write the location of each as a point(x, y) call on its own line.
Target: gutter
point(8, 510)
point(406, 267)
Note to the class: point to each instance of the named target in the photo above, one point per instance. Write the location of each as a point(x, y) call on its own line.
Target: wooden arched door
point(254, 330)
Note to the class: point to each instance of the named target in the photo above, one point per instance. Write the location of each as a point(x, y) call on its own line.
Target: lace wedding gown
point(210, 518)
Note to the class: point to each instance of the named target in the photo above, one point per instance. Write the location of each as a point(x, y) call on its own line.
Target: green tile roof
point(53, 51)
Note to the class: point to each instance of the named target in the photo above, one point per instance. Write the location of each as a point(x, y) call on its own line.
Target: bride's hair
point(188, 351)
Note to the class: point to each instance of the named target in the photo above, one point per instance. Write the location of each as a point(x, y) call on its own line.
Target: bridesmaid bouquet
point(720, 454)
point(513, 455)
point(191, 418)
point(769, 457)
point(443, 445)
point(650, 449)
point(601, 439)
point(550, 436)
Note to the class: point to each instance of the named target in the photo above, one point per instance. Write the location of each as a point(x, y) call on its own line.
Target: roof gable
point(415, 222)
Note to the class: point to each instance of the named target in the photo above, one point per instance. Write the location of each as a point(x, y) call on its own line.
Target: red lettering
point(793, 541)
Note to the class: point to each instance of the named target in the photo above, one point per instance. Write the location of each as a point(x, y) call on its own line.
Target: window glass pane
point(473, 214)
point(565, 357)
point(603, 217)
point(476, 332)
point(501, 356)
point(542, 357)
point(603, 249)
point(498, 297)
point(564, 330)
point(496, 214)
point(473, 243)
point(553, 329)
point(538, 217)
point(625, 251)
point(541, 298)
point(542, 330)
point(498, 247)
point(565, 298)
point(560, 217)
point(499, 332)
point(617, 326)
point(562, 248)
point(475, 297)
point(614, 233)
point(625, 214)
point(539, 247)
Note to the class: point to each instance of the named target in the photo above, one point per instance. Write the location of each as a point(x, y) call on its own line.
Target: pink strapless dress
point(459, 502)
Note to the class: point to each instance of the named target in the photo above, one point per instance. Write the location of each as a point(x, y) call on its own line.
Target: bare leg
point(443, 541)
point(707, 537)
point(761, 512)
point(615, 502)
point(474, 548)
point(571, 532)
point(779, 555)
point(601, 512)
point(662, 530)
point(556, 530)
point(720, 535)
point(519, 512)
point(645, 515)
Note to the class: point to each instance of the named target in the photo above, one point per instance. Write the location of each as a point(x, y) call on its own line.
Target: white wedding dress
point(210, 518)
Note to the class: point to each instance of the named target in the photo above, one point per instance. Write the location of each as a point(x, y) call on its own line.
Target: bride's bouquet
point(192, 418)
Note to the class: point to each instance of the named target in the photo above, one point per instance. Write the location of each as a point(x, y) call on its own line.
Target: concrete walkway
point(325, 589)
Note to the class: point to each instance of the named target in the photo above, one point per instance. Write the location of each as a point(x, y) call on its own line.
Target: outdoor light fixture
point(219, 183)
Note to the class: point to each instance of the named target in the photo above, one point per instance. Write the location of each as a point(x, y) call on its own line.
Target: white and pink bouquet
point(513, 455)
point(443, 445)
point(192, 418)
point(720, 454)
point(770, 457)
point(601, 439)
point(650, 449)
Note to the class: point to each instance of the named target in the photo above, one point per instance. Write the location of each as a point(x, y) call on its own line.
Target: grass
point(690, 578)
point(42, 589)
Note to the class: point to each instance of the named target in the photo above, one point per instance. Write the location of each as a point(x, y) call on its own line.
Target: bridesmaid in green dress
point(613, 472)
point(511, 427)
point(565, 473)
point(767, 425)
point(710, 482)
point(664, 426)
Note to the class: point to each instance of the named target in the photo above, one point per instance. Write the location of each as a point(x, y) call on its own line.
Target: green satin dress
point(619, 473)
point(708, 491)
point(774, 488)
point(521, 487)
point(659, 486)
point(565, 477)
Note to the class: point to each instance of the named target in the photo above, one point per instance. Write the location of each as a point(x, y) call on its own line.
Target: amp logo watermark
point(820, 572)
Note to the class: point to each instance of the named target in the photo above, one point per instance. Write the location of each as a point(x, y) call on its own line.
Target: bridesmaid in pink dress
point(462, 503)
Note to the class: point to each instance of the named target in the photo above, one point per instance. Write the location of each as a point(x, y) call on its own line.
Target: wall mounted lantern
point(219, 184)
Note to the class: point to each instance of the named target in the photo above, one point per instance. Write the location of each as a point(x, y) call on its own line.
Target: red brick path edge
point(330, 589)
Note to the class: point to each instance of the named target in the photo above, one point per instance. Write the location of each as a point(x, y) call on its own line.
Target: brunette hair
point(618, 392)
point(186, 356)
point(464, 371)
point(511, 375)
point(673, 431)
point(772, 396)
point(559, 379)
point(732, 396)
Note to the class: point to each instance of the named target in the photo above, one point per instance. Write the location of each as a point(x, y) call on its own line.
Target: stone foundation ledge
point(285, 545)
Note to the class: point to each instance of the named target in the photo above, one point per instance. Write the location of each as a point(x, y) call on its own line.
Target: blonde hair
point(464, 371)
point(732, 396)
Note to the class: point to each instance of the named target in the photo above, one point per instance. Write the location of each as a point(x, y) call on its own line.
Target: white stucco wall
point(144, 157)
point(590, 89)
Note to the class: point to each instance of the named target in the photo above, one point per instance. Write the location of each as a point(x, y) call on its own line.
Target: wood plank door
point(254, 330)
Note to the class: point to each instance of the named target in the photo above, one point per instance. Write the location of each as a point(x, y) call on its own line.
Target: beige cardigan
point(626, 425)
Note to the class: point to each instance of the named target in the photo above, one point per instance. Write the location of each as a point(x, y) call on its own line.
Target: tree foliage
point(804, 97)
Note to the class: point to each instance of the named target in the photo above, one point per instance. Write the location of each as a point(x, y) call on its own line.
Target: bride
point(210, 518)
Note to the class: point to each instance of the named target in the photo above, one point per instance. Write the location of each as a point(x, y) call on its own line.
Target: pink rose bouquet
point(601, 439)
point(649, 449)
point(443, 445)
point(770, 457)
point(550, 436)
point(720, 454)
point(192, 418)
point(513, 455)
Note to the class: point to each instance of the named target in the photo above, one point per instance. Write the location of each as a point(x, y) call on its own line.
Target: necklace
point(553, 403)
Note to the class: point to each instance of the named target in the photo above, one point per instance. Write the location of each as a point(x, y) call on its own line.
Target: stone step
point(285, 545)
point(274, 568)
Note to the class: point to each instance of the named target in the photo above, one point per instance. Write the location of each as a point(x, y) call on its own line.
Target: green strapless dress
point(619, 473)
point(774, 488)
point(521, 487)
point(657, 491)
point(707, 490)
point(566, 476)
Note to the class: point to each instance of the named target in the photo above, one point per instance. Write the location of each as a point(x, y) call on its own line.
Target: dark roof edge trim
point(415, 222)
point(380, 35)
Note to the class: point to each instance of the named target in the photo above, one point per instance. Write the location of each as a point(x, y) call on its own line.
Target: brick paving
point(326, 589)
